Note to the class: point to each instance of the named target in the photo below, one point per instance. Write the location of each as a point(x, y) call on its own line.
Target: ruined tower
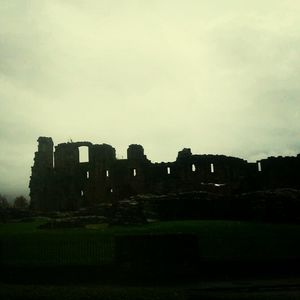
point(136, 152)
point(41, 174)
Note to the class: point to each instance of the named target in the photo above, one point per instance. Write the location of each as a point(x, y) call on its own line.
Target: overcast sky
point(215, 76)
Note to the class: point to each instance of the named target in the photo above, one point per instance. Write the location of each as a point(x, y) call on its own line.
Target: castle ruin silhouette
point(60, 181)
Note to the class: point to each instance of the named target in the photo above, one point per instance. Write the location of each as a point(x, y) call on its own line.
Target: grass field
point(24, 243)
point(195, 292)
point(38, 292)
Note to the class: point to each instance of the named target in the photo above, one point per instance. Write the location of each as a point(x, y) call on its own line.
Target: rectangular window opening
point(212, 168)
point(259, 166)
point(81, 193)
point(87, 175)
point(193, 168)
point(169, 170)
point(107, 173)
point(134, 172)
point(83, 154)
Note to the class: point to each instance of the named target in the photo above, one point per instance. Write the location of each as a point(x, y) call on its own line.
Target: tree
point(3, 201)
point(20, 202)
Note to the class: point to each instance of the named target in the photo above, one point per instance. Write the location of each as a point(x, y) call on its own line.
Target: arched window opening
point(193, 168)
point(212, 168)
point(107, 173)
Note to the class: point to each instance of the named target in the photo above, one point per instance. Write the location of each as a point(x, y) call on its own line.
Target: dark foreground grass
point(37, 292)
point(24, 243)
point(49, 292)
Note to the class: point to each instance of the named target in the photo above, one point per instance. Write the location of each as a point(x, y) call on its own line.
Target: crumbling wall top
point(136, 152)
point(74, 144)
point(184, 154)
point(45, 144)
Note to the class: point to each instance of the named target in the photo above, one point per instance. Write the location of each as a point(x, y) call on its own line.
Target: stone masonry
point(59, 181)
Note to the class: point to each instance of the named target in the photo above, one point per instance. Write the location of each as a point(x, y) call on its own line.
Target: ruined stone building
point(60, 181)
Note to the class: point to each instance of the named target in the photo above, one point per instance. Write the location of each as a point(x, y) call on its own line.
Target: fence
point(46, 253)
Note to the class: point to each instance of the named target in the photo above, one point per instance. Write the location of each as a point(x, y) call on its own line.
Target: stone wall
point(66, 183)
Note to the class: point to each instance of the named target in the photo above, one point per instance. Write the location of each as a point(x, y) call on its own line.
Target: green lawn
point(49, 292)
point(24, 243)
point(115, 292)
